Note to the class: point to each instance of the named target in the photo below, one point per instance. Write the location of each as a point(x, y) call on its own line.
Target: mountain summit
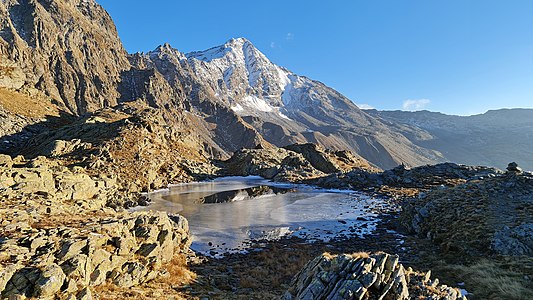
point(281, 106)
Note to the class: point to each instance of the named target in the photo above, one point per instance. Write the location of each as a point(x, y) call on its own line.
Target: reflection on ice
point(226, 214)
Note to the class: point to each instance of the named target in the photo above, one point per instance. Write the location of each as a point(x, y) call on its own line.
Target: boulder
point(50, 281)
point(514, 168)
point(5, 161)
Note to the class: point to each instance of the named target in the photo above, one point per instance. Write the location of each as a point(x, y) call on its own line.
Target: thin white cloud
point(272, 45)
point(365, 106)
point(289, 36)
point(415, 104)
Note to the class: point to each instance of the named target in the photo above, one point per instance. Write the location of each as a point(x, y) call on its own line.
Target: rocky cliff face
point(68, 49)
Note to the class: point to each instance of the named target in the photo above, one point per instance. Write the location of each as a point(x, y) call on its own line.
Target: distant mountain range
point(228, 97)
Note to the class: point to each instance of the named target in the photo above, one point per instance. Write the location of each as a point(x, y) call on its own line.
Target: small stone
point(514, 168)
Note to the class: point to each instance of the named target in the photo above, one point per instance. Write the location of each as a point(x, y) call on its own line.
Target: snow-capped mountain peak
point(233, 46)
point(242, 78)
point(238, 72)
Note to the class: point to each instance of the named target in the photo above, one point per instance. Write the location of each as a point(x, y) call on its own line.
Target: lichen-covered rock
point(359, 276)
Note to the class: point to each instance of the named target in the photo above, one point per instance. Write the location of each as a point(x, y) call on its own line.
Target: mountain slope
point(494, 138)
point(68, 53)
point(69, 50)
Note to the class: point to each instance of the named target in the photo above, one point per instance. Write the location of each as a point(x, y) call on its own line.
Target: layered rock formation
point(360, 276)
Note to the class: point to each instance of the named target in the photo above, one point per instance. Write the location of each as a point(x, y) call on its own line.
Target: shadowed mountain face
point(67, 55)
point(494, 138)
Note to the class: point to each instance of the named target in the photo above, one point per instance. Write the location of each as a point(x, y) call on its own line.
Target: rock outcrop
point(423, 177)
point(273, 163)
point(360, 276)
point(293, 163)
point(125, 250)
point(44, 181)
point(490, 215)
point(329, 161)
point(60, 239)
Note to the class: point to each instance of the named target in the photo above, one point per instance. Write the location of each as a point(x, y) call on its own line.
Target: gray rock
point(50, 281)
point(379, 276)
point(514, 168)
point(514, 241)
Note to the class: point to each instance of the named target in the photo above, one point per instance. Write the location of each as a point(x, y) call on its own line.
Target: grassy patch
point(495, 279)
point(160, 288)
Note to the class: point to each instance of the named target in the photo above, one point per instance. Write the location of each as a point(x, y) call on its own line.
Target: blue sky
point(454, 56)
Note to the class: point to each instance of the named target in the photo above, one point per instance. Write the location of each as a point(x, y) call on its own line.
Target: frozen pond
point(226, 214)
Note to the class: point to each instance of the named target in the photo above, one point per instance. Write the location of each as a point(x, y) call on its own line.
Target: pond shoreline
point(261, 210)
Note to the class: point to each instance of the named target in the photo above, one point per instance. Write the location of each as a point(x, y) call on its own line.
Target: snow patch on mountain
point(237, 108)
point(257, 104)
point(284, 79)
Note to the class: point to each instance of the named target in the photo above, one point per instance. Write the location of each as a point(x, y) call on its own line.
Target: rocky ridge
point(283, 107)
point(409, 179)
point(363, 276)
point(293, 163)
point(496, 210)
point(69, 50)
point(491, 139)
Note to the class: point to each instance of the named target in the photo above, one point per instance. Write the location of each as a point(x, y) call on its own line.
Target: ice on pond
point(226, 214)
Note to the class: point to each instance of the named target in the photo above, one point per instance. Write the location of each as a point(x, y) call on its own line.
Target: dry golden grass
point(178, 271)
point(160, 288)
point(360, 255)
point(491, 279)
point(28, 106)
